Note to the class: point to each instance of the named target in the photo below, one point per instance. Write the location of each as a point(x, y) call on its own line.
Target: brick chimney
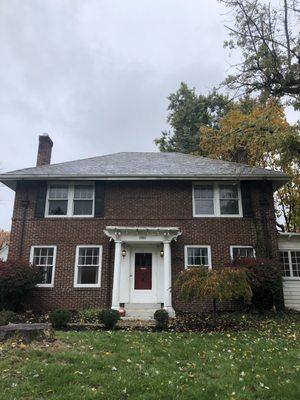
point(44, 150)
point(240, 155)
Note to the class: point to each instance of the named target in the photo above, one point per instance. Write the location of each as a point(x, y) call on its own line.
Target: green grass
point(256, 364)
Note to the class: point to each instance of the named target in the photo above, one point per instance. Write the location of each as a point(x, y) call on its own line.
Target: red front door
point(143, 271)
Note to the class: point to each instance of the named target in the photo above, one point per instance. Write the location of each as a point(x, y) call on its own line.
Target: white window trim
point(186, 247)
point(236, 246)
point(291, 277)
point(88, 285)
point(70, 207)
point(217, 209)
point(49, 285)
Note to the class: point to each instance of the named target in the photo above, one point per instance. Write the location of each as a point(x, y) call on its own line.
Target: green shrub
point(109, 318)
point(90, 315)
point(161, 317)
point(7, 316)
point(16, 279)
point(59, 318)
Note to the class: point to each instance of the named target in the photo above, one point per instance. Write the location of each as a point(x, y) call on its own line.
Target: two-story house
point(115, 230)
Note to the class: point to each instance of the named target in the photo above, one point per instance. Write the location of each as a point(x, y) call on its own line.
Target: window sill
point(217, 216)
point(97, 286)
point(68, 216)
point(291, 278)
point(46, 285)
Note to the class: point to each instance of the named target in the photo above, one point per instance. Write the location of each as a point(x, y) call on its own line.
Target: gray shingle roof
point(134, 165)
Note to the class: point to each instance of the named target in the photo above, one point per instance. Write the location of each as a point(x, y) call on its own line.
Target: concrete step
point(141, 311)
point(142, 306)
point(140, 314)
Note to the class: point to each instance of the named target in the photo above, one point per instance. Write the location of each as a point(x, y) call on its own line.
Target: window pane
point(204, 192)
point(285, 264)
point(197, 256)
point(87, 275)
point(243, 252)
point(229, 192)
point(204, 207)
point(58, 192)
point(83, 192)
point(83, 207)
point(295, 256)
point(46, 273)
point(229, 207)
point(58, 207)
point(88, 256)
point(204, 199)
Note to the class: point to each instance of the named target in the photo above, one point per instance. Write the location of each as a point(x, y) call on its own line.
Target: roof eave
point(10, 180)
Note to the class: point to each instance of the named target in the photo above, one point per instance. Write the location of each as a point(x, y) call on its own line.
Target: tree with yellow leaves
point(4, 237)
point(270, 142)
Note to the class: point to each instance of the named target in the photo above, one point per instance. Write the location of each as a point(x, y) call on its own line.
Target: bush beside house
point(265, 279)
point(16, 279)
point(199, 283)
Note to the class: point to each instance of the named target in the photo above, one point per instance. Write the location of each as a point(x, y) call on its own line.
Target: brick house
point(116, 230)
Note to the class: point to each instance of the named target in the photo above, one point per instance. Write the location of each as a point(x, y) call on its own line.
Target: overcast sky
point(95, 74)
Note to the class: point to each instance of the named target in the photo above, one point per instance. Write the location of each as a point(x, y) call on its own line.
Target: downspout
point(24, 206)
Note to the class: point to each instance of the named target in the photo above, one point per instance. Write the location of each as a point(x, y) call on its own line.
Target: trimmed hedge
point(7, 316)
point(60, 318)
point(161, 317)
point(109, 318)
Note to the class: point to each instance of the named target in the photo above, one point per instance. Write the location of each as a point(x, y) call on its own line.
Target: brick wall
point(132, 203)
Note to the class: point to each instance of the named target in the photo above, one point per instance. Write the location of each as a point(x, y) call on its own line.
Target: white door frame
point(144, 296)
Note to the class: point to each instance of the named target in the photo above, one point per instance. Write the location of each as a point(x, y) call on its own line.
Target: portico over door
point(151, 244)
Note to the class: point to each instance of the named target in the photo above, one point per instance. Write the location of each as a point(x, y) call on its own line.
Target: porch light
point(123, 253)
point(161, 253)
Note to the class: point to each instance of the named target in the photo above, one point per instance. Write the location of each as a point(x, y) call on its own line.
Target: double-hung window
point(242, 252)
point(44, 258)
point(197, 256)
point(70, 200)
point(88, 266)
point(217, 200)
point(290, 263)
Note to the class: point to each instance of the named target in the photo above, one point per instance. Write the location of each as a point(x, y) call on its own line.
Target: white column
point(168, 279)
point(115, 304)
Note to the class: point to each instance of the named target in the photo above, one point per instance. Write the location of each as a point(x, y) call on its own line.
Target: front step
point(141, 310)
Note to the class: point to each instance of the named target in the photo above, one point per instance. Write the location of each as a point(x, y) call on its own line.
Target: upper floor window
point(242, 252)
point(290, 263)
point(70, 199)
point(196, 256)
point(217, 200)
point(44, 257)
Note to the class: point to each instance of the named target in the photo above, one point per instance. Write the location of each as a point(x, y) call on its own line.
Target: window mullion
point(290, 263)
point(217, 199)
point(240, 200)
point(70, 199)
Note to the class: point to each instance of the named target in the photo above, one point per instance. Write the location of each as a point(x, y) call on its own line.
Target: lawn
point(256, 364)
